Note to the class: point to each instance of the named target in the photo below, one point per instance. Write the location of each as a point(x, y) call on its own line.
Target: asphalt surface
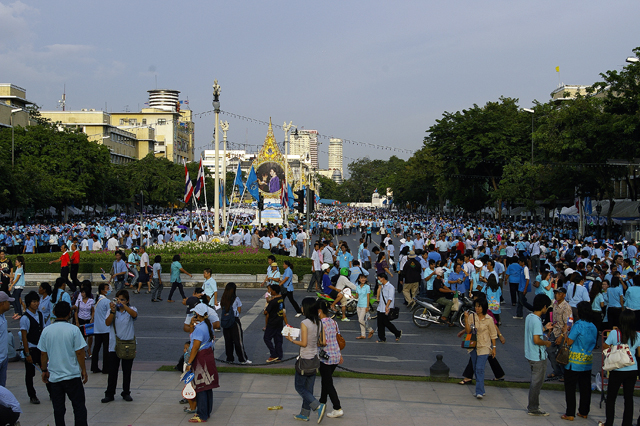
point(161, 338)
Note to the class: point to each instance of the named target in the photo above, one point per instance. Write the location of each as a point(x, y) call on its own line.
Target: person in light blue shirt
point(286, 284)
point(535, 353)
point(356, 271)
point(62, 347)
point(5, 305)
point(632, 296)
point(428, 276)
point(623, 376)
point(210, 287)
point(176, 281)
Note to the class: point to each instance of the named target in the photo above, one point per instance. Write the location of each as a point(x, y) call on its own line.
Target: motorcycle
point(428, 311)
point(351, 306)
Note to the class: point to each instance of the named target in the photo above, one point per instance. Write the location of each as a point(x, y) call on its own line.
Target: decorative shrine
point(269, 166)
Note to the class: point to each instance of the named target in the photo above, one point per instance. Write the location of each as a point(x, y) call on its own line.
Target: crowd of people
point(581, 286)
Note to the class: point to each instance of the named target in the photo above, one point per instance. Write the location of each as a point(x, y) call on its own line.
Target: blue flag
point(223, 195)
point(291, 198)
point(252, 184)
point(238, 180)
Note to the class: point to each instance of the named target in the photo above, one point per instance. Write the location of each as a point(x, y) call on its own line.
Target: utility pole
point(216, 108)
point(141, 219)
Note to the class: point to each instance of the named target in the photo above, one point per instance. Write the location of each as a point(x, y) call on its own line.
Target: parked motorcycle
point(428, 312)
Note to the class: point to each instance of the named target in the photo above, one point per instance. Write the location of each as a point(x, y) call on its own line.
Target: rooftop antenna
point(62, 103)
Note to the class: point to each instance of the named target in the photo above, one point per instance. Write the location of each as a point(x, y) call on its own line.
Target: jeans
point(17, 306)
point(326, 373)
point(535, 265)
point(552, 351)
point(100, 339)
point(522, 301)
point(315, 284)
point(119, 285)
point(300, 248)
point(156, 289)
point(628, 380)
point(75, 391)
point(204, 401)
point(233, 338)
point(274, 334)
point(304, 387)
point(3, 372)
point(134, 271)
point(114, 366)
point(174, 286)
point(289, 295)
point(498, 372)
point(583, 380)
point(364, 322)
point(384, 322)
point(479, 362)
point(30, 372)
point(538, 372)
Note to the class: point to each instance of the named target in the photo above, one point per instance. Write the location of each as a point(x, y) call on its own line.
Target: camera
point(323, 355)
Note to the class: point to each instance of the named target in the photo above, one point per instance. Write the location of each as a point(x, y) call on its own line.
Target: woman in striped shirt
point(330, 357)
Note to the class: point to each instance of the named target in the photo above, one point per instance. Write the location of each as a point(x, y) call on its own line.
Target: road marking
point(373, 358)
point(248, 318)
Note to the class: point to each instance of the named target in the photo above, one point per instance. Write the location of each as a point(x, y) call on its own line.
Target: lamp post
point(216, 202)
point(224, 126)
point(13, 111)
point(532, 112)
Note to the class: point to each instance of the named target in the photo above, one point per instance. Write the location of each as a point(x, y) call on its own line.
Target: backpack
point(227, 318)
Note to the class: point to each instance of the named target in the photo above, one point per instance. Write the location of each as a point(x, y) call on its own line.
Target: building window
point(133, 122)
point(162, 121)
point(122, 121)
point(144, 121)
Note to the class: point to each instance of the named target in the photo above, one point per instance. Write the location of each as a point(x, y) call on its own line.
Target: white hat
point(478, 264)
point(325, 266)
point(402, 240)
point(568, 272)
point(200, 309)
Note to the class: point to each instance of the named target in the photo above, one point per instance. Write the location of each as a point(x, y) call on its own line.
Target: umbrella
point(182, 227)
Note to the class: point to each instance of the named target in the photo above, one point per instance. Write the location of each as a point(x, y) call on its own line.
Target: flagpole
point(204, 188)
point(235, 216)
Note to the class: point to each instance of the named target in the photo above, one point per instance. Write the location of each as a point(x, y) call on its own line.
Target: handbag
point(394, 313)
point(456, 304)
point(617, 356)
point(88, 329)
point(470, 340)
point(308, 367)
point(562, 357)
point(125, 349)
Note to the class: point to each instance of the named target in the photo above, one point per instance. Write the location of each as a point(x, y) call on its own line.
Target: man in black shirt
point(443, 295)
point(275, 319)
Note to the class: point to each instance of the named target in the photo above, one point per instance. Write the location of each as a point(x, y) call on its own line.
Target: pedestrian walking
point(120, 322)
point(119, 271)
point(330, 357)
point(286, 286)
point(62, 348)
point(145, 271)
point(74, 266)
point(230, 309)
point(363, 290)
point(582, 340)
point(275, 320)
point(64, 260)
point(156, 279)
point(202, 361)
point(561, 314)
point(84, 312)
point(17, 285)
point(101, 330)
point(59, 295)
point(31, 325)
point(386, 297)
point(176, 281)
point(5, 305)
point(311, 337)
point(624, 376)
point(534, 353)
point(486, 336)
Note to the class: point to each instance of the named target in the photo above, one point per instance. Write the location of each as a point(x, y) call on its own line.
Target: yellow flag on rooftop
point(557, 69)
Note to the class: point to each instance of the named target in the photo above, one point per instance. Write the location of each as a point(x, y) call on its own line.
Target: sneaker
point(246, 362)
point(272, 360)
point(516, 317)
point(345, 319)
point(538, 413)
point(183, 401)
point(34, 400)
point(321, 409)
point(335, 413)
point(399, 336)
point(299, 314)
point(189, 410)
point(479, 396)
point(106, 399)
point(301, 418)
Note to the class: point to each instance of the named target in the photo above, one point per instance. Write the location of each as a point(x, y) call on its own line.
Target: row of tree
point(58, 167)
point(499, 154)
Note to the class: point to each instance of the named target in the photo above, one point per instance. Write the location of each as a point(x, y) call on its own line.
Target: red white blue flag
point(199, 181)
point(188, 187)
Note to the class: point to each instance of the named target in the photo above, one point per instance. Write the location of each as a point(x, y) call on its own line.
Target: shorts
point(143, 278)
point(333, 294)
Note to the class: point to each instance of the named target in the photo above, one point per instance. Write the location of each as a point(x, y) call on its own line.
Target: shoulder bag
point(470, 340)
point(562, 357)
point(309, 367)
point(341, 342)
point(394, 313)
point(125, 349)
point(617, 356)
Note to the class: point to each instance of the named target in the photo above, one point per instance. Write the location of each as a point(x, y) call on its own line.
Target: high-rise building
point(335, 154)
point(13, 104)
point(305, 146)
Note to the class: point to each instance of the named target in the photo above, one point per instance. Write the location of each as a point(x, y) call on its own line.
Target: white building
point(304, 147)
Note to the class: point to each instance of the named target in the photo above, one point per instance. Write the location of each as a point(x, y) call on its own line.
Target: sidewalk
point(242, 399)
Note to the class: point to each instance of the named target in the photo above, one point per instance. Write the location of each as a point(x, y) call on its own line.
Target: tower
point(335, 155)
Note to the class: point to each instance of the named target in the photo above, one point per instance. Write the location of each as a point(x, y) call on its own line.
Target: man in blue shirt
point(5, 305)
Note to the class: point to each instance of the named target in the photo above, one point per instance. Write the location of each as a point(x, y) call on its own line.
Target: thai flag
point(199, 181)
point(284, 195)
point(188, 188)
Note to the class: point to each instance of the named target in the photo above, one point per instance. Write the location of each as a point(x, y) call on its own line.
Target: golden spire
point(270, 132)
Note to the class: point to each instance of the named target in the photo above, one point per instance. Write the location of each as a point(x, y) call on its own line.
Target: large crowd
point(574, 287)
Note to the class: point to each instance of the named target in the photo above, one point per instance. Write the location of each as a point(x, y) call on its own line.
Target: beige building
point(568, 92)
point(13, 101)
point(173, 127)
point(122, 144)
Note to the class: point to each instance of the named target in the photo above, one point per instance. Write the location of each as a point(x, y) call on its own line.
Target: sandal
point(565, 417)
point(196, 419)
point(465, 382)
point(581, 415)
point(360, 337)
point(501, 379)
point(370, 334)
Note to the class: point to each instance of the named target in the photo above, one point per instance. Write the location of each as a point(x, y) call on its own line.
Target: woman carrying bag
point(330, 357)
point(230, 308)
point(486, 336)
point(121, 345)
point(202, 361)
point(308, 363)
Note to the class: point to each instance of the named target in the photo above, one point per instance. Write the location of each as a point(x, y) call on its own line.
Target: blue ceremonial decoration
point(252, 184)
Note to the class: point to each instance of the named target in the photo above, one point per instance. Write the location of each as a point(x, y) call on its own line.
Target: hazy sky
point(372, 71)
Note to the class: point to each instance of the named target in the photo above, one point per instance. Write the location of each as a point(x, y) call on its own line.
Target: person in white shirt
point(97, 245)
point(145, 269)
point(85, 244)
point(301, 241)
point(385, 295)
point(160, 239)
point(316, 269)
point(112, 243)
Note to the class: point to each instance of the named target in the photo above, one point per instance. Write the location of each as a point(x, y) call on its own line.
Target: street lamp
point(13, 111)
point(225, 128)
point(633, 60)
point(532, 112)
point(216, 202)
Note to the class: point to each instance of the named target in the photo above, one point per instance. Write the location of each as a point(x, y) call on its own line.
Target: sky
point(376, 72)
